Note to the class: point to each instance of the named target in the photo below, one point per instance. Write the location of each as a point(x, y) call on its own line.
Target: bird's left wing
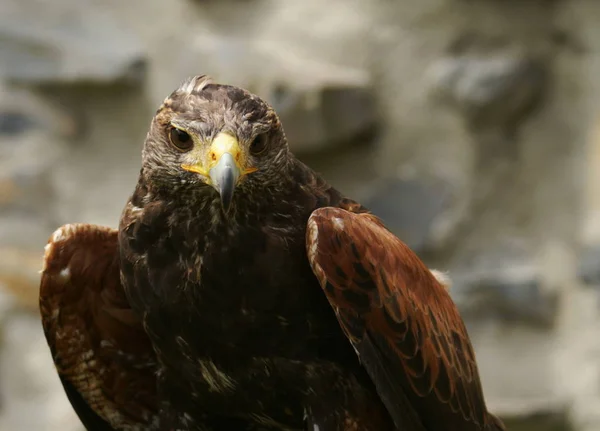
point(103, 356)
point(400, 319)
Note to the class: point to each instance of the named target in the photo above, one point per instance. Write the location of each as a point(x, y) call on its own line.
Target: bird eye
point(259, 144)
point(180, 139)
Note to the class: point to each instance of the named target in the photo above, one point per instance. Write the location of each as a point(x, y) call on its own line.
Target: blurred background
point(470, 127)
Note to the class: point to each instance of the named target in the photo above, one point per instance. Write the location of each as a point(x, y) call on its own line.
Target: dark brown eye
point(259, 144)
point(180, 139)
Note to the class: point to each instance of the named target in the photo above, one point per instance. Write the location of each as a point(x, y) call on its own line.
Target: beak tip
point(226, 199)
point(225, 175)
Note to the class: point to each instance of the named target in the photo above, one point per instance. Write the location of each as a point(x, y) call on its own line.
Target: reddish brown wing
point(401, 321)
point(101, 352)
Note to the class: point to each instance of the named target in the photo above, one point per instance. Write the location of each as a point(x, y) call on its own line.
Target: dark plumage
point(222, 252)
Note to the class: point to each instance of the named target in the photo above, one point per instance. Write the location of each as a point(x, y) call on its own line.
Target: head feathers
point(194, 84)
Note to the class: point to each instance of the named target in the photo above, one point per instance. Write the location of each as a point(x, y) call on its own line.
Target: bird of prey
point(242, 291)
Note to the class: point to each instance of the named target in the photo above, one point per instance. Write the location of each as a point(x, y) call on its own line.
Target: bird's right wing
point(103, 356)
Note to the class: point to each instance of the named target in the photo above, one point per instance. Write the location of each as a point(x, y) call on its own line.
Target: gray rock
point(589, 266)
point(15, 123)
point(549, 420)
point(409, 208)
point(511, 291)
point(70, 41)
point(497, 90)
point(30, 147)
point(334, 116)
point(321, 103)
point(20, 279)
point(32, 395)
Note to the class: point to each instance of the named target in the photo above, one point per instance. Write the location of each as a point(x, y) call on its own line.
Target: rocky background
point(470, 126)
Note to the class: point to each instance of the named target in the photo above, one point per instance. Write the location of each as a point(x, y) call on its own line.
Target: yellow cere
point(223, 143)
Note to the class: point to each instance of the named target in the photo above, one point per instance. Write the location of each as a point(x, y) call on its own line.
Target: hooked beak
point(224, 177)
point(225, 166)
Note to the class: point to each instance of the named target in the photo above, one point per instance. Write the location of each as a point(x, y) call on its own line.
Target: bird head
point(215, 141)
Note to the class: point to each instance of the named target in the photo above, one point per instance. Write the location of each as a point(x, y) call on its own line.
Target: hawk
point(242, 291)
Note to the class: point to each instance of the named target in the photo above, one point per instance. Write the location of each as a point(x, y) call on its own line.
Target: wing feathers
point(398, 315)
point(101, 353)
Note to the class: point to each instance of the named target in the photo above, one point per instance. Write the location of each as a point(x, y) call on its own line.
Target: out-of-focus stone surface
point(19, 275)
point(326, 118)
point(34, 136)
point(589, 265)
point(492, 91)
point(548, 420)
point(65, 41)
point(510, 292)
point(409, 208)
point(32, 397)
point(471, 128)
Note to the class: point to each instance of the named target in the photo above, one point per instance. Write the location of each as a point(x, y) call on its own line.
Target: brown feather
point(388, 301)
point(102, 355)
